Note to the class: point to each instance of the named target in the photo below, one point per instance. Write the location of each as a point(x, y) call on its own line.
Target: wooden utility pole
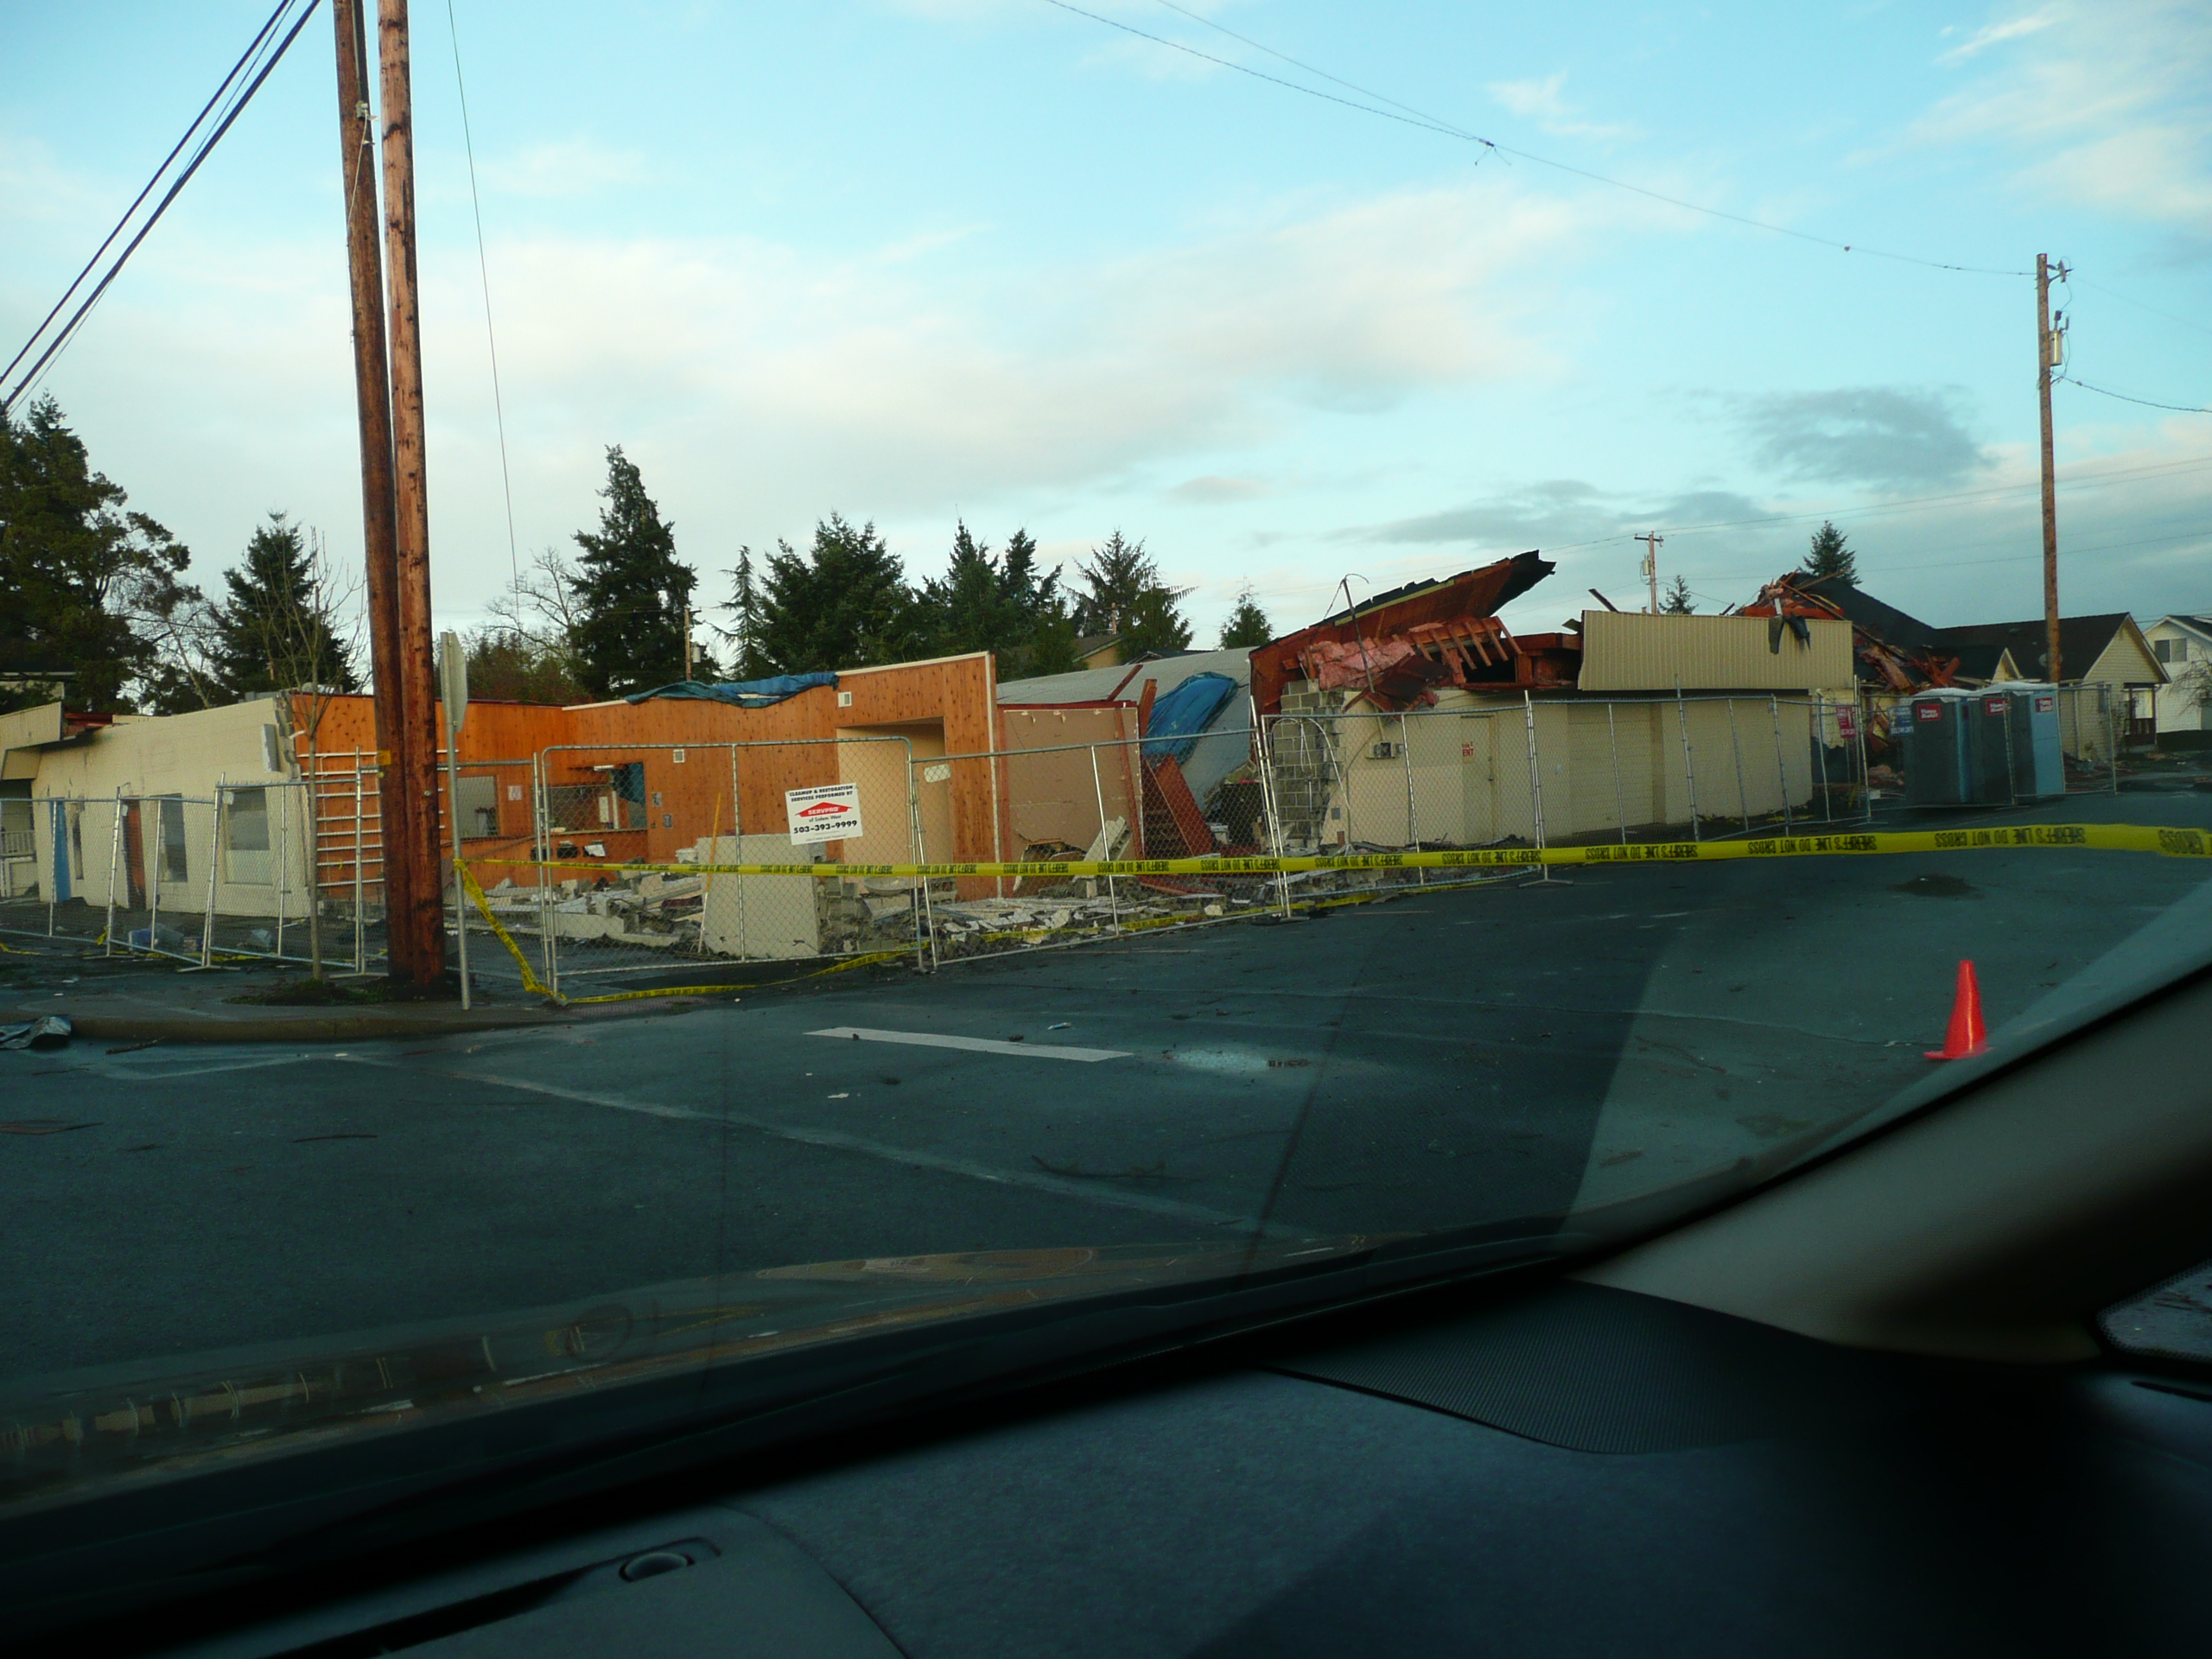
point(2047, 340)
point(372, 391)
point(388, 384)
point(424, 922)
point(1651, 543)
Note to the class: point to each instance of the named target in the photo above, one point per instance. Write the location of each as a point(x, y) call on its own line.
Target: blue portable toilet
point(2038, 756)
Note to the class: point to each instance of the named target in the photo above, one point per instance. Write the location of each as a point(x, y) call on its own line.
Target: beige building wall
point(1461, 774)
point(1630, 650)
point(180, 756)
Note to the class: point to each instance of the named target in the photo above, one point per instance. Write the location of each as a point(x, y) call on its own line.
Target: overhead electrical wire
point(138, 200)
point(484, 271)
point(271, 53)
point(1908, 505)
point(2178, 409)
point(1406, 115)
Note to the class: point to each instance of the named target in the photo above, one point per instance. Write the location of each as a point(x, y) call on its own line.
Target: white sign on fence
point(827, 812)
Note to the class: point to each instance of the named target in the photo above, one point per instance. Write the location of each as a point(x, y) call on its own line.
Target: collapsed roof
point(1398, 646)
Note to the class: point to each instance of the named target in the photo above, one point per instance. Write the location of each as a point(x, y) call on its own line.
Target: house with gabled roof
point(2182, 643)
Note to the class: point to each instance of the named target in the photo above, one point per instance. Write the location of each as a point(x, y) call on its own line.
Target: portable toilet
point(1936, 770)
point(2038, 758)
point(1989, 748)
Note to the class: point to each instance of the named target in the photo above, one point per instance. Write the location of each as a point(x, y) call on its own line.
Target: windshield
point(1105, 722)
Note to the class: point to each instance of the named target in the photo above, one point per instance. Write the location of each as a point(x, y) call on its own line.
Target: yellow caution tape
point(531, 982)
point(536, 987)
point(2096, 838)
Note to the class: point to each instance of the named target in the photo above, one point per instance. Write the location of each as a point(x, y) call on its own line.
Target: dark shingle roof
point(1887, 623)
point(2081, 639)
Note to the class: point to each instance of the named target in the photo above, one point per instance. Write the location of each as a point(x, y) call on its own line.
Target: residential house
point(2183, 646)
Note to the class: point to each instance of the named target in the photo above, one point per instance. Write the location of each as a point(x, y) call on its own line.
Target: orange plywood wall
point(711, 768)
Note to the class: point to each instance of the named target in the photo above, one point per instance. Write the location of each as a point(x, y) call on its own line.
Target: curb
point(320, 1027)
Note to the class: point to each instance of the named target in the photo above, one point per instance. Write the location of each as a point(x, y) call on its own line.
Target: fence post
point(1690, 765)
point(114, 859)
point(154, 871)
point(214, 857)
point(1098, 789)
point(541, 837)
point(1535, 782)
point(1736, 747)
point(1270, 806)
point(280, 855)
point(924, 916)
point(1866, 766)
point(453, 821)
point(1413, 820)
point(1820, 754)
point(361, 884)
point(1781, 765)
point(2112, 739)
point(57, 818)
point(1614, 748)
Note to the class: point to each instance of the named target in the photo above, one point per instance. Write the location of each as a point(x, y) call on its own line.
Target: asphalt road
point(1444, 1058)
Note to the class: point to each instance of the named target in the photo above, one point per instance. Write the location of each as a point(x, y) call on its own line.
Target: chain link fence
point(194, 879)
point(603, 870)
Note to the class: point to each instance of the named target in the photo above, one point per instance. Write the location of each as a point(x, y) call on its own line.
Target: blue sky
point(916, 260)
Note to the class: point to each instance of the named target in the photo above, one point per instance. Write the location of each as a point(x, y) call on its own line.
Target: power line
point(484, 272)
point(138, 200)
point(2179, 408)
point(1414, 118)
point(1261, 75)
point(237, 105)
point(2112, 293)
point(1908, 504)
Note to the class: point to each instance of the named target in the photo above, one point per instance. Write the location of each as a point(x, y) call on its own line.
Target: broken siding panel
point(1627, 651)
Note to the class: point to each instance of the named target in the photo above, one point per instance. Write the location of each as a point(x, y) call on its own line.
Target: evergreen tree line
point(612, 619)
point(89, 586)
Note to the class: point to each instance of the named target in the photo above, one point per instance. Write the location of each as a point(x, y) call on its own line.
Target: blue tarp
point(746, 694)
point(1179, 716)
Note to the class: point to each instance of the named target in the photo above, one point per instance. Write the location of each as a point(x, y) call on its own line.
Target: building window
point(245, 838)
point(77, 839)
point(170, 812)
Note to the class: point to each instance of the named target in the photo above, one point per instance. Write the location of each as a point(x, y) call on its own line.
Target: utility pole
point(2048, 355)
point(687, 642)
point(400, 875)
point(1651, 546)
point(395, 527)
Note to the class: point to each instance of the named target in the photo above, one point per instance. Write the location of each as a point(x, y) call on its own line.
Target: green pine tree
point(83, 583)
point(747, 660)
point(1154, 624)
point(630, 591)
point(276, 629)
point(1830, 555)
point(1677, 601)
point(843, 604)
point(1122, 594)
point(1248, 627)
point(968, 608)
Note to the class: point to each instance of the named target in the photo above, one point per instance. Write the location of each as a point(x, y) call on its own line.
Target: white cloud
point(1989, 35)
point(564, 167)
point(761, 386)
point(2108, 107)
point(1541, 101)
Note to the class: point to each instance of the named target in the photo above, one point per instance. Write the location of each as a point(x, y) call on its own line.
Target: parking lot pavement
point(1449, 1058)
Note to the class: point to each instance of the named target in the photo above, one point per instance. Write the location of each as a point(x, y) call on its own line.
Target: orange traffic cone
point(1966, 1035)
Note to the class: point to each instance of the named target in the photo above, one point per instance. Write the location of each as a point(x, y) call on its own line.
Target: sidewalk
point(111, 1000)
